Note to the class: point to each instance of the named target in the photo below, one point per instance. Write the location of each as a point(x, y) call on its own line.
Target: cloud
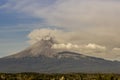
point(91, 14)
point(92, 24)
point(73, 41)
point(65, 46)
point(94, 46)
point(116, 49)
point(66, 40)
point(37, 34)
point(95, 20)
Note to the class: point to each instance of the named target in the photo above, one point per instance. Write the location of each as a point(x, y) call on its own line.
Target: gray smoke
point(73, 41)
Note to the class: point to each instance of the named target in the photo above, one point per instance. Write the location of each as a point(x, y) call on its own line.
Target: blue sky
point(15, 26)
point(95, 23)
point(12, 37)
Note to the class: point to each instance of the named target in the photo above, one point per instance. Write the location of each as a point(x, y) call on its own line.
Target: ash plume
point(75, 41)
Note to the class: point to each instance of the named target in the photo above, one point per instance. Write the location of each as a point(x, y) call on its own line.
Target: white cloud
point(116, 52)
point(67, 40)
point(64, 38)
point(65, 46)
point(91, 14)
point(95, 20)
point(85, 22)
point(64, 41)
point(116, 49)
point(95, 46)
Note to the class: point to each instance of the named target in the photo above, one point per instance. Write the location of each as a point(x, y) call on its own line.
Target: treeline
point(69, 76)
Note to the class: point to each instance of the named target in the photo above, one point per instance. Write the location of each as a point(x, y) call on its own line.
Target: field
point(67, 76)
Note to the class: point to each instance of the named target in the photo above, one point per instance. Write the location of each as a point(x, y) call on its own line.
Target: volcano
point(42, 58)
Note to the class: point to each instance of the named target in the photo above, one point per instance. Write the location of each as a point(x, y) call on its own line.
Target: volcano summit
point(41, 57)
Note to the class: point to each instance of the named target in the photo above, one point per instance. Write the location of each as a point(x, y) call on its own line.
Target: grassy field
point(69, 76)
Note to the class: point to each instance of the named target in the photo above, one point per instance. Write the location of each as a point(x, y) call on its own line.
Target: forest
point(58, 76)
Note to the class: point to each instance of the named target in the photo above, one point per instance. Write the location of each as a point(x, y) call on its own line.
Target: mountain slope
point(46, 64)
point(40, 57)
point(43, 47)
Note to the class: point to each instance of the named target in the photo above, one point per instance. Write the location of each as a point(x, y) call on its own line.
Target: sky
point(91, 27)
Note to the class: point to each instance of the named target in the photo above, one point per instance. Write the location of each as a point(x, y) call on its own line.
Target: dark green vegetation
point(70, 76)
